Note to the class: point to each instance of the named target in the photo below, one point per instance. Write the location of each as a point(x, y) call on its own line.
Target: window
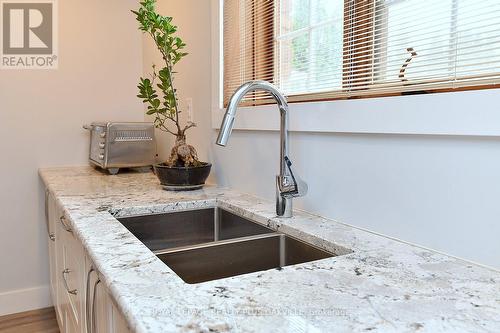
point(310, 45)
point(330, 49)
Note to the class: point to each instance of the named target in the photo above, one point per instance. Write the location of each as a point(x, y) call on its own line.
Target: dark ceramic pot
point(182, 178)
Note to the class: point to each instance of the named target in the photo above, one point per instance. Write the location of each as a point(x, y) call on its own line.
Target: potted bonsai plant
point(182, 170)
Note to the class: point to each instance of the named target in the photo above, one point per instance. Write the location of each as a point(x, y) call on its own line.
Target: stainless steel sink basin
point(165, 231)
point(236, 257)
point(209, 244)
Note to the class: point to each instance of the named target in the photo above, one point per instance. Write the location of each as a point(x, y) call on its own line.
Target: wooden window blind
point(249, 45)
point(331, 49)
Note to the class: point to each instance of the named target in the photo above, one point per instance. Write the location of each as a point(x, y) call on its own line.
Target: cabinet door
point(104, 315)
point(102, 310)
point(59, 301)
point(90, 280)
point(108, 318)
point(96, 306)
point(70, 264)
point(72, 276)
point(118, 321)
point(71, 326)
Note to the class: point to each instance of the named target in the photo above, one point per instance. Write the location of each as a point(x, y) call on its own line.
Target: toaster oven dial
point(101, 156)
point(102, 145)
point(103, 135)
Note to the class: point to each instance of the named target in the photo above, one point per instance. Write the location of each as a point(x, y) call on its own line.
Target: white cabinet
point(54, 249)
point(101, 310)
point(82, 302)
point(72, 274)
point(119, 323)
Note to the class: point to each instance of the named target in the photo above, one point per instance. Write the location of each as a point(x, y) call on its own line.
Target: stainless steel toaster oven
point(121, 145)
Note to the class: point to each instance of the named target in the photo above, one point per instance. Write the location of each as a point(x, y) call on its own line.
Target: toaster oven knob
point(101, 156)
point(103, 134)
point(102, 145)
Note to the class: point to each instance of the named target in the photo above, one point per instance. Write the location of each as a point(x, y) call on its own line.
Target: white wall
point(41, 114)
point(437, 191)
point(193, 81)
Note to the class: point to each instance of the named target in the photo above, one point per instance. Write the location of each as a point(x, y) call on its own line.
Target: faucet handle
point(299, 187)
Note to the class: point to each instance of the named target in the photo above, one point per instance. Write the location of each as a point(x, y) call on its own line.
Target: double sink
point(210, 244)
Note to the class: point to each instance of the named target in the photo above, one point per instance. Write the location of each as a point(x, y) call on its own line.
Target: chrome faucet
point(288, 184)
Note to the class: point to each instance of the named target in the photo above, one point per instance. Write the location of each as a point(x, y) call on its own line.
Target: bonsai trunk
point(182, 154)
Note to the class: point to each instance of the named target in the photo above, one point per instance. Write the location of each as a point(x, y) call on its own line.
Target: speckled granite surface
point(376, 285)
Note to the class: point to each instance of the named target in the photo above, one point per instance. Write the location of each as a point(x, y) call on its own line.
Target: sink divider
point(216, 224)
point(228, 241)
point(282, 250)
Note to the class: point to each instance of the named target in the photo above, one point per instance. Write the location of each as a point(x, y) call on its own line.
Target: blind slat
point(317, 50)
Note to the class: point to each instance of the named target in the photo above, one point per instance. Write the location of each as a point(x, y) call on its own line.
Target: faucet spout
point(287, 184)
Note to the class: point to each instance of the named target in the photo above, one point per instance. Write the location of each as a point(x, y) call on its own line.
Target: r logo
point(28, 34)
point(27, 28)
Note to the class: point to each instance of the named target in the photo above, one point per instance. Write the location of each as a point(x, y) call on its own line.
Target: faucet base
point(288, 207)
point(284, 207)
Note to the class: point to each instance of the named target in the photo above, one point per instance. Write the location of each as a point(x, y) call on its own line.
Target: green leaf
point(160, 97)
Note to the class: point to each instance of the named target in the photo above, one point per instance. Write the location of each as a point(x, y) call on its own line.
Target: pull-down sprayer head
point(239, 94)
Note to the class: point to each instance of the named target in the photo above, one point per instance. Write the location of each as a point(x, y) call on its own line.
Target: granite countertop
point(375, 284)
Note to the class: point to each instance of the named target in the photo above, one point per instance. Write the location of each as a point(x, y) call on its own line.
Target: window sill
point(475, 113)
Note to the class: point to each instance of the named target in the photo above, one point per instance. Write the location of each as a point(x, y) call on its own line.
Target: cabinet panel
point(91, 281)
point(104, 315)
point(71, 325)
point(118, 321)
point(50, 207)
point(102, 310)
point(59, 301)
point(97, 303)
point(72, 277)
point(68, 275)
